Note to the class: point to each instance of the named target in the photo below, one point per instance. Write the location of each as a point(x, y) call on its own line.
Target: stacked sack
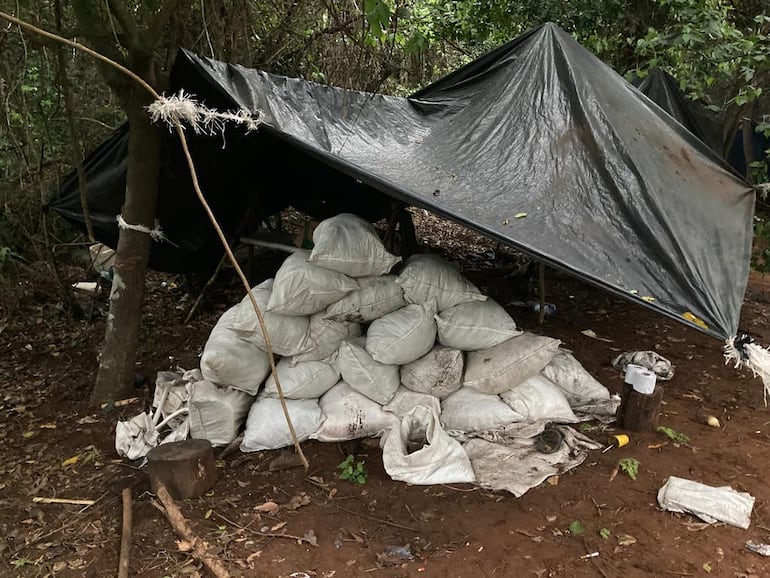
point(364, 352)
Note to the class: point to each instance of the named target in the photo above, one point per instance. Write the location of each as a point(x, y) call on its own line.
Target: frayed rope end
point(183, 110)
point(744, 352)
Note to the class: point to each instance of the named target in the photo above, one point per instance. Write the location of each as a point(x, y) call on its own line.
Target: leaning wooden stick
point(199, 193)
point(125, 539)
point(199, 548)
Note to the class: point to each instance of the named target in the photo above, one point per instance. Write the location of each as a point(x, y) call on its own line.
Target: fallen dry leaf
point(310, 538)
point(298, 501)
point(626, 539)
point(278, 526)
point(553, 480)
point(70, 461)
point(86, 420)
point(268, 507)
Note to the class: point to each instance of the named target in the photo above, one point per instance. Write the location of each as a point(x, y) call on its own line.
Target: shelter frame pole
point(541, 289)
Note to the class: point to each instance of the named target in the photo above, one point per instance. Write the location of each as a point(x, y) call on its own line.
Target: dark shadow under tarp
point(538, 145)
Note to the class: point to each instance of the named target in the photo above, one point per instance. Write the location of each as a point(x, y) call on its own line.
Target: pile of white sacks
point(412, 357)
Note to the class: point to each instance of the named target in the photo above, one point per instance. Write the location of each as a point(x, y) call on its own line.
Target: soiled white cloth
point(648, 359)
point(507, 459)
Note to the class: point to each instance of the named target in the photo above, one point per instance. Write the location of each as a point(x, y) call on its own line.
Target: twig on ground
point(373, 519)
point(120, 403)
point(42, 500)
point(263, 534)
point(598, 509)
point(125, 540)
point(198, 547)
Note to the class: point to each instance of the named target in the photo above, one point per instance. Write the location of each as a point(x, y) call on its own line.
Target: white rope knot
point(183, 110)
point(155, 234)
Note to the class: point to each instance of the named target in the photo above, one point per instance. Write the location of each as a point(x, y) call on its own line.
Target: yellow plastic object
point(694, 319)
point(619, 440)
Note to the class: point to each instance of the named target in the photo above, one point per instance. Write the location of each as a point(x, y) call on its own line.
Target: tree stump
point(638, 411)
point(187, 468)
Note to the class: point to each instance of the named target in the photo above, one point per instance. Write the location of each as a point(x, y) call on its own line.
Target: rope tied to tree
point(183, 110)
point(155, 234)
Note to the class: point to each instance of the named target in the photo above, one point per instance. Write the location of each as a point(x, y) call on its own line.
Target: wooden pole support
point(638, 411)
point(187, 468)
point(125, 539)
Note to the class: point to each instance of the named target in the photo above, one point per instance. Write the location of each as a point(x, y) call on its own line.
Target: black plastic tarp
point(664, 90)
point(538, 145)
point(706, 124)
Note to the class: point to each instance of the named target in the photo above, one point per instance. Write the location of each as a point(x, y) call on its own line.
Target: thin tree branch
point(133, 37)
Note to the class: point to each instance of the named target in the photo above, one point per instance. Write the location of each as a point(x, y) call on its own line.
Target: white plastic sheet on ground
point(513, 464)
point(167, 423)
point(418, 451)
point(710, 504)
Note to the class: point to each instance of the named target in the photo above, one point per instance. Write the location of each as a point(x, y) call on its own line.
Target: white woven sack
point(570, 376)
point(467, 410)
point(217, 413)
point(266, 427)
point(505, 366)
point(376, 296)
point(539, 399)
point(427, 278)
point(289, 335)
point(350, 245)
point(419, 452)
point(305, 380)
point(228, 359)
point(475, 325)
point(439, 372)
point(405, 400)
point(375, 380)
point(326, 335)
point(404, 335)
point(351, 415)
point(302, 288)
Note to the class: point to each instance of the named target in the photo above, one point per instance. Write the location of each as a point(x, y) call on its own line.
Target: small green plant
point(629, 466)
point(576, 528)
point(673, 435)
point(352, 471)
point(605, 533)
point(21, 562)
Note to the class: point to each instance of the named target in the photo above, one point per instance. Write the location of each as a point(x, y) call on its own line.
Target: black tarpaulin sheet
point(663, 89)
point(539, 145)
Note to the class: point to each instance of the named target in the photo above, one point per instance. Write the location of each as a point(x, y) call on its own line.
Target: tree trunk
point(117, 359)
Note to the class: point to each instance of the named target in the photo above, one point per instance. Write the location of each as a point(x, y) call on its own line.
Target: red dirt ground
point(48, 364)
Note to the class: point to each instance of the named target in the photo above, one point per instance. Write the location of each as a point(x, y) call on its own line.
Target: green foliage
point(576, 527)
point(629, 466)
point(673, 435)
point(605, 533)
point(352, 471)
